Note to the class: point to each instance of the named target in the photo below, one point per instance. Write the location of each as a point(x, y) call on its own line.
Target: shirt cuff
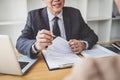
point(86, 44)
point(34, 50)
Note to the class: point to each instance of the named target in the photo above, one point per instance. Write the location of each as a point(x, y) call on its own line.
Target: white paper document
point(98, 51)
point(59, 54)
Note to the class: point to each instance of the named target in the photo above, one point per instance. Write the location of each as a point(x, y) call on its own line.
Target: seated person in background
point(116, 8)
point(106, 68)
point(117, 2)
point(55, 19)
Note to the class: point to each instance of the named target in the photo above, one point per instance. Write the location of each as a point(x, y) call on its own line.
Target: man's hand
point(76, 45)
point(43, 39)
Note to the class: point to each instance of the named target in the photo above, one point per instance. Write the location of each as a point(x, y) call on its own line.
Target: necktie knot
point(55, 19)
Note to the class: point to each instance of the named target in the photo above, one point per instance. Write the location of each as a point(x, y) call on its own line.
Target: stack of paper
point(59, 54)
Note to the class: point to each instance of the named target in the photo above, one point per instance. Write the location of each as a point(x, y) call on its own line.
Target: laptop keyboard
point(23, 64)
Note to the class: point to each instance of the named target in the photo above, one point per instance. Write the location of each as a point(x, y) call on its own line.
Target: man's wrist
point(34, 50)
point(85, 43)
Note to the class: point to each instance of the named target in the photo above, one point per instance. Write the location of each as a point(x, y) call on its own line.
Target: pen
point(53, 36)
point(66, 65)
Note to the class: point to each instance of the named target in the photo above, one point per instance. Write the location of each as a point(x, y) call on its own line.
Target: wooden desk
point(39, 72)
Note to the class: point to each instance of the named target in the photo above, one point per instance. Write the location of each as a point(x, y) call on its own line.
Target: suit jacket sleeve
point(27, 39)
point(80, 30)
point(88, 34)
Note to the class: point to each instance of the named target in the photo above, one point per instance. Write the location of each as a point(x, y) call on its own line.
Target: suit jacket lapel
point(66, 19)
point(45, 23)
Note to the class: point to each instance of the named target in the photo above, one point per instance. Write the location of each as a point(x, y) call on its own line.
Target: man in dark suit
point(39, 29)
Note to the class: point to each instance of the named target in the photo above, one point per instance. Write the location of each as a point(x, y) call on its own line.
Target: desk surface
point(39, 72)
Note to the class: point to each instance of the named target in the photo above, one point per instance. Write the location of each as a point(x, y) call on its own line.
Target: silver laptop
point(10, 63)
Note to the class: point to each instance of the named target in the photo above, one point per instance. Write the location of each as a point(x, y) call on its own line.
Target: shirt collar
point(51, 16)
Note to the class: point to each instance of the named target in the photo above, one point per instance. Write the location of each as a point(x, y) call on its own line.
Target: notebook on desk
point(10, 63)
point(113, 47)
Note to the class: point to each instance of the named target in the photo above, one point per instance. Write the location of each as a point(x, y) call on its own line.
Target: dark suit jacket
point(75, 28)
